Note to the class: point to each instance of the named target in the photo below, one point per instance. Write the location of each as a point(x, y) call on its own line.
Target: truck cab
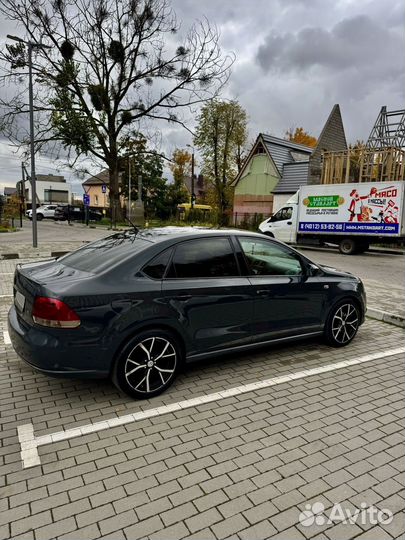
point(283, 224)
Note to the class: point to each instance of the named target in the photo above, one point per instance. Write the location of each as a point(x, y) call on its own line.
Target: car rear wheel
point(342, 324)
point(40, 217)
point(148, 364)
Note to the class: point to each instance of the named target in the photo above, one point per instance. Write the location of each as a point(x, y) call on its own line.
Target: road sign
point(104, 188)
point(86, 199)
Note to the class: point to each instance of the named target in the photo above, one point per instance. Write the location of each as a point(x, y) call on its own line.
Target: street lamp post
point(192, 176)
point(129, 188)
point(31, 46)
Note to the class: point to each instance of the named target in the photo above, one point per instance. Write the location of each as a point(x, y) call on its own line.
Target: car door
point(208, 296)
point(281, 224)
point(49, 211)
point(288, 300)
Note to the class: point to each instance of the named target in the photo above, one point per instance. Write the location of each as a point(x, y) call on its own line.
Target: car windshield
point(98, 256)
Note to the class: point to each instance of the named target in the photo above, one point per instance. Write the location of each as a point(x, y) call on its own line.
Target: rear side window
point(156, 268)
point(206, 257)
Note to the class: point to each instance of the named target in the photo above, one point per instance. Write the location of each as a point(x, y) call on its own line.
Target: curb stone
point(385, 316)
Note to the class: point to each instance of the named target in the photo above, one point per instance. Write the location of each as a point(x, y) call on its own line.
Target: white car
point(43, 212)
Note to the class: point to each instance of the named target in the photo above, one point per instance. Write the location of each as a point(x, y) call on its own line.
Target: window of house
point(204, 258)
point(260, 149)
point(266, 258)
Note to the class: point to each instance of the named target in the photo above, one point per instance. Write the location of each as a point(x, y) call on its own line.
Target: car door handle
point(289, 222)
point(263, 292)
point(184, 297)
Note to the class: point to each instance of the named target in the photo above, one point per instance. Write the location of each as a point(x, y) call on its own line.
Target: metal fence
point(248, 220)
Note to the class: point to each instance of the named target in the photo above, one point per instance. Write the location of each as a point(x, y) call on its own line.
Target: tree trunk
point(116, 214)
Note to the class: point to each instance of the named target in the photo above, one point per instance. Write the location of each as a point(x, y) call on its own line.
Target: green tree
point(180, 167)
point(147, 164)
point(110, 65)
point(221, 130)
point(300, 136)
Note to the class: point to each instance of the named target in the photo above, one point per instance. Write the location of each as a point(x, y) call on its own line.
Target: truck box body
point(368, 208)
point(349, 215)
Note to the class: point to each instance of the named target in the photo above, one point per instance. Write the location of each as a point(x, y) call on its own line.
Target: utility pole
point(192, 176)
point(139, 210)
point(31, 46)
point(129, 188)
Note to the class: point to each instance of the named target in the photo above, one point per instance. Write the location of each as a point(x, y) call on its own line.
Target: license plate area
point(19, 301)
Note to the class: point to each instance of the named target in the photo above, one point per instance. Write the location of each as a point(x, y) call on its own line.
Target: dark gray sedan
point(138, 304)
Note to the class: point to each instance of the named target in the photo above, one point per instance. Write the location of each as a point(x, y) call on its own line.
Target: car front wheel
point(342, 323)
point(148, 364)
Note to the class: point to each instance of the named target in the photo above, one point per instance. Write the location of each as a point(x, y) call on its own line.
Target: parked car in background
point(138, 304)
point(43, 212)
point(76, 213)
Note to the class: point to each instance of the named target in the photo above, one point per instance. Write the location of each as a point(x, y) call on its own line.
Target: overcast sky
point(294, 60)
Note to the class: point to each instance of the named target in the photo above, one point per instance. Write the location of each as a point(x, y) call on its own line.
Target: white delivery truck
point(349, 215)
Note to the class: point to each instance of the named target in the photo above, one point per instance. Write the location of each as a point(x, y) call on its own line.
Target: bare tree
point(112, 64)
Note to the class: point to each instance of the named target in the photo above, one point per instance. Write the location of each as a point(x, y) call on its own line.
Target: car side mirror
point(314, 270)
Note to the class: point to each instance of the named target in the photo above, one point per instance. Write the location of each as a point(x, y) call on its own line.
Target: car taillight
point(54, 313)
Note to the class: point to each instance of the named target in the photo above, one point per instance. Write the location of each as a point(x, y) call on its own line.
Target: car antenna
point(136, 229)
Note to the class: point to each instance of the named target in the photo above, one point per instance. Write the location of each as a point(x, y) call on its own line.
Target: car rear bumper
point(46, 353)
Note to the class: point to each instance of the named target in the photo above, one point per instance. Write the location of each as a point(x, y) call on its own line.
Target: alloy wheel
point(150, 365)
point(345, 323)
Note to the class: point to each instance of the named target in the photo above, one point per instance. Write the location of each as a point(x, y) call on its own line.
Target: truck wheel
point(267, 233)
point(348, 246)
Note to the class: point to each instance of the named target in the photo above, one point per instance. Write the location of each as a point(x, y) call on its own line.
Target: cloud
point(294, 60)
point(353, 42)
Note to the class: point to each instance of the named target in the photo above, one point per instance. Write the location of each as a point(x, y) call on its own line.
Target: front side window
point(266, 258)
point(203, 258)
point(283, 214)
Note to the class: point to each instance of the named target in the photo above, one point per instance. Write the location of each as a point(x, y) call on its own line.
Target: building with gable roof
point(276, 168)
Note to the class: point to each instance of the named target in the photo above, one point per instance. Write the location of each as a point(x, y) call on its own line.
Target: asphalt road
point(51, 231)
point(380, 267)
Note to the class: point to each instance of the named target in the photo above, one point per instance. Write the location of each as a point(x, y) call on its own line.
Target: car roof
point(158, 234)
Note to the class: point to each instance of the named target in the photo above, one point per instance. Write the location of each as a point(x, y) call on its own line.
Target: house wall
point(280, 200)
point(97, 197)
point(253, 193)
point(41, 187)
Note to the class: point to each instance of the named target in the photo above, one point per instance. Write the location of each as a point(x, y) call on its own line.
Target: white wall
point(42, 186)
point(280, 200)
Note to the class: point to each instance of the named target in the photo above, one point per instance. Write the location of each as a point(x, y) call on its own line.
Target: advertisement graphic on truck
point(369, 208)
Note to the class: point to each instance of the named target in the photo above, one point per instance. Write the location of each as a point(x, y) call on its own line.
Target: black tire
point(40, 217)
point(141, 355)
point(267, 233)
point(338, 334)
point(348, 246)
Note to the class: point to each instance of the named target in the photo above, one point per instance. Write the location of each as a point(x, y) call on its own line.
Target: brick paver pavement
point(244, 467)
